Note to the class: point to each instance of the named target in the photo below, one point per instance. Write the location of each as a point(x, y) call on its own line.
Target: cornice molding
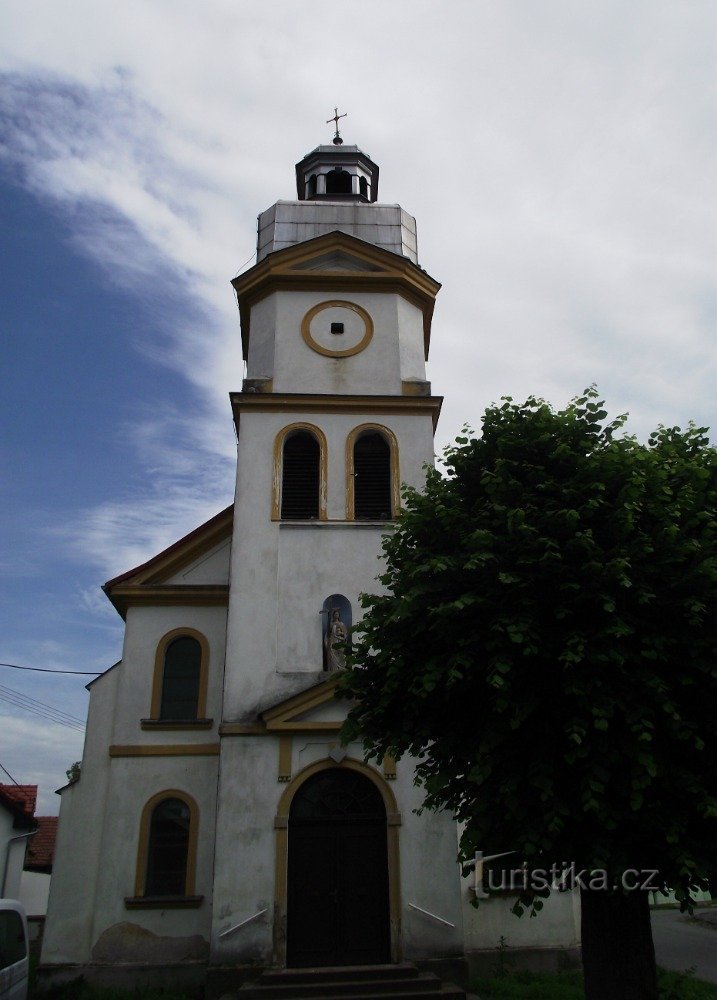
point(284, 270)
point(304, 403)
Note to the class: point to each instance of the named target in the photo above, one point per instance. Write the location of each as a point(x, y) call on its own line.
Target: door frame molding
point(281, 825)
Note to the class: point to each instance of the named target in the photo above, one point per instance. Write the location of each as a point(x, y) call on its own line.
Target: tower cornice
point(305, 403)
point(299, 268)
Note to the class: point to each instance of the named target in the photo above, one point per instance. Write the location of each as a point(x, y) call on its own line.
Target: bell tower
point(334, 415)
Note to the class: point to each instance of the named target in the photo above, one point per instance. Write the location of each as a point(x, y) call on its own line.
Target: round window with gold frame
point(337, 329)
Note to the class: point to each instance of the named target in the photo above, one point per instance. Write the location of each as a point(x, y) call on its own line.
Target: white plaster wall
point(12, 855)
point(556, 926)
point(262, 341)
point(145, 628)
point(296, 367)
point(282, 573)
point(131, 783)
point(78, 849)
point(245, 849)
point(211, 568)
point(34, 893)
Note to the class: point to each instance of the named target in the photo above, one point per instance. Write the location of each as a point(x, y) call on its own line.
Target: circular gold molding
point(334, 303)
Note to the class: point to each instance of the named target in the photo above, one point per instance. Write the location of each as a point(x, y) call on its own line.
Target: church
point(218, 822)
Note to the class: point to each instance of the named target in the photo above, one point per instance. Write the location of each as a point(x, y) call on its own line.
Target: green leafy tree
point(546, 647)
point(73, 771)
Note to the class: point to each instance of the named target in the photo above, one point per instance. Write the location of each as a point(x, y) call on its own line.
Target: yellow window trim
point(143, 845)
point(390, 439)
point(158, 679)
point(278, 464)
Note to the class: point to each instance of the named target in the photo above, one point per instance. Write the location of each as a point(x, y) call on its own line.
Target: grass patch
point(569, 986)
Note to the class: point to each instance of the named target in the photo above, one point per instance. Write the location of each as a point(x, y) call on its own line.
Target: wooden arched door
point(337, 894)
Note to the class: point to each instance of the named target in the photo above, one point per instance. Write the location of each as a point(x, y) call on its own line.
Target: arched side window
point(312, 186)
point(338, 182)
point(167, 852)
point(335, 629)
point(299, 487)
point(363, 187)
point(179, 691)
point(372, 474)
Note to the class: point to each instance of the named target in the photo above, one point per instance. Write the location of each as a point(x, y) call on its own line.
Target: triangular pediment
point(338, 261)
point(194, 570)
point(315, 708)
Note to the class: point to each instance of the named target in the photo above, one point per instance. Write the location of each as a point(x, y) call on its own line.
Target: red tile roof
point(21, 798)
point(41, 847)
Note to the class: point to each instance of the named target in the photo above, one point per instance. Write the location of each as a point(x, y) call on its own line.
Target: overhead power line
point(47, 670)
point(39, 708)
point(8, 774)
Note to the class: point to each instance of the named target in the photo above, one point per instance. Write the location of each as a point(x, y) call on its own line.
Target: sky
point(560, 159)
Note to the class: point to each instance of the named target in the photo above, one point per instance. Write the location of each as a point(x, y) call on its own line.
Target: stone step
point(362, 982)
point(425, 984)
point(339, 973)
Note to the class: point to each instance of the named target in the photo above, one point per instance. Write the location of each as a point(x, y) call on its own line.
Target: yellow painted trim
point(389, 768)
point(395, 470)
point(281, 826)
point(309, 403)
point(304, 727)
point(242, 729)
point(164, 750)
point(342, 304)
point(191, 869)
point(128, 595)
point(394, 274)
point(277, 474)
point(158, 679)
point(285, 756)
point(302, 702)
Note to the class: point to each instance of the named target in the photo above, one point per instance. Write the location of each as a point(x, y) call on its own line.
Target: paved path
point(682, 943)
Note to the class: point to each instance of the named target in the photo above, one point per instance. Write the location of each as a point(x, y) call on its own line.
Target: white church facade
point(218, 820)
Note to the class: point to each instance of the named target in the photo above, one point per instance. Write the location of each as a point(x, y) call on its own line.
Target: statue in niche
point(336, 635)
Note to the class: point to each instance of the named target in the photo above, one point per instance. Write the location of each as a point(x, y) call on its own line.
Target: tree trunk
point(618, 954)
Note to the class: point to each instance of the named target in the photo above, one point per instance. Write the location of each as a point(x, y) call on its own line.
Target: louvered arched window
point(300, 477)
point(373, 499)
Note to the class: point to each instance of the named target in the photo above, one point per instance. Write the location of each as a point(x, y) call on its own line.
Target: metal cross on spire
point(337, 140)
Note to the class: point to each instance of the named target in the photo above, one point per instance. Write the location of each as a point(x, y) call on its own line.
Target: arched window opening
point(168, 849)
point(338, 182)
point(300, 477)
point(312, 186)
point(372, 478)
point(336, 628)
point(363, 187)
point(181, 679)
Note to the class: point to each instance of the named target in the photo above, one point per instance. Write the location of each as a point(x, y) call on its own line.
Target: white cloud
point(560, 160)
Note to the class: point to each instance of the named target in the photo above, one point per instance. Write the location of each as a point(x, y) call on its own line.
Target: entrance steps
point(349, 982)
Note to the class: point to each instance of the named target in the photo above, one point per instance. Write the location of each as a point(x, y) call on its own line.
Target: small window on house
point(168, 849)
point(338, 182)
point(363, 187)
point(372, 478)
point(312, 186)
point(301, 464)
point(180, 679)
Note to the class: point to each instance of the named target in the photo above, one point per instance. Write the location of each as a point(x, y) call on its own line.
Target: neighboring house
point(17, 826)
point(217, 819)
point(35, 881)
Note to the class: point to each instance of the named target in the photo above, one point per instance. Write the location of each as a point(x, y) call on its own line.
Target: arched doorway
point(337, 891)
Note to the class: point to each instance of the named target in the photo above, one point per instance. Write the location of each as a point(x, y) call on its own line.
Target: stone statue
point(336, 635)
